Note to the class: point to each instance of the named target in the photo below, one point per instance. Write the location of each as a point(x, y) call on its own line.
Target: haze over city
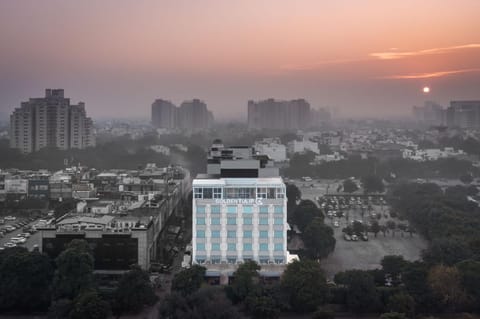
point(364, 58)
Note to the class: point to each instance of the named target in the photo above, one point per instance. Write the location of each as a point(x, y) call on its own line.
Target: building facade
point(464, 114)
point(50, 121)
point(164, 114)
point(282, 115)
point(191, 115)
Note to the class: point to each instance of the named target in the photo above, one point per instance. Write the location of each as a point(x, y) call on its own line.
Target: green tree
point(305, 285)
point(88, 304)
point(393, 265)
point(470, 275)
point(293, 195)
point(263, 307)
point(246, 282)
point(375, 228)
point(189, 280)
point(74, 272)
point(393, 315)
point(324, 313)
point(362, 295)
point(318, 239)
point(25, 279)
point(305, 212)
point(446, 282)
point(133, 292)
point(402, 303)
point(373, 184)
point(415, 279)
point(349, 186)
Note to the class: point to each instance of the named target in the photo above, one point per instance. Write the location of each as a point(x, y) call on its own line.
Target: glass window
point(217, 193)
point(215, 234)
point(215, 220)
point(247, 209)
point(279, 260)
point(201, 221)
point(231, 234)
point(231, 260)
point(247, 220)
point(278, 234)
point(247, 234)
point(280, 192)
point(278, 209)
point(263, 221)
point(271, 193)
point(215, 209)
point(207, 193)
point(200, 246)
point(263, 209)
point(198, 192)
point(278, 221)
point(200, 233)
point(201, 209)
point(232, 247)
point(263, 247)
point(232, 209)
point(247, 247)
point(278, 247)
point(215, 246)
point(231, 221)
point(263, 234)
point(261, 192)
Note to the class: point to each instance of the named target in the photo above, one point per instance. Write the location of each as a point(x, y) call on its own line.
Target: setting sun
point(426, 89)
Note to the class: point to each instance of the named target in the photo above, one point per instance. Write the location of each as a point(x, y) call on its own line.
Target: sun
point(426, 89)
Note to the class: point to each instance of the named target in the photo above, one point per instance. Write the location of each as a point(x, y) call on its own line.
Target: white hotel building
point(239, 212)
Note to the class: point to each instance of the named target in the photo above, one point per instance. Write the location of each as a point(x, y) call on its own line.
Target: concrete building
point(464, 114)
point(302, 146)
point(430, 114)
point(191, 115)
point(281, 115)
point(239, 214)
point(164, 114)
point(50, 121)
point(272, 148)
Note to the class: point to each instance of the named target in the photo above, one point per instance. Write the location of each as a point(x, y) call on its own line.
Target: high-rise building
point(272, 114)
point(430, 113)
point(50, 121)
point(464, 114)
point(164, 114)
point(239, 213)
point(191, 115)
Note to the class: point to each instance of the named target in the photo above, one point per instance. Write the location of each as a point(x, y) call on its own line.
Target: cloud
point(389, 55)
point(316, 65)
point(430, 74)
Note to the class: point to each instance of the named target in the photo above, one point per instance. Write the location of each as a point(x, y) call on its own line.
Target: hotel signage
point(237, 201)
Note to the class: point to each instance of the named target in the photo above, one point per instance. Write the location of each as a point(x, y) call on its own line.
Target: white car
point(336, 224)
point(18, 240)
point(10, 218)
point(24, 235)
point(10, 245)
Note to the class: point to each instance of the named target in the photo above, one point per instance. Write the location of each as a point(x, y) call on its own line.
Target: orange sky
point(368, 57)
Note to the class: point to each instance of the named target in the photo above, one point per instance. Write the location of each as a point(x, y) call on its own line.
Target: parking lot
point(30, 242)
point(343, 209)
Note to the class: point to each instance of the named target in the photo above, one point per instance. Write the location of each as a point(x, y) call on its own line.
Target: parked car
point(347, 237)
point(364, 237)
point(24, 235)
point(10, 245)
point(354, 237)
point(336, 224)
point(10, 218)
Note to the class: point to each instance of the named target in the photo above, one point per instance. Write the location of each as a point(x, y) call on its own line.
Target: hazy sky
point(364, 57)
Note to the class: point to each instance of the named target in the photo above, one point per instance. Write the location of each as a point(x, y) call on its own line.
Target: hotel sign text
point(236, 201)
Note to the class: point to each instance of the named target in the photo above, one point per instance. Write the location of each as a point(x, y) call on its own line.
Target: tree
point(470, 274)
point(25, 278)
point(446, 282)
point(74, 272)
point(402, 303)
point(358, 227)
point(245, 282)
point(391, 225)
point(466, 178)
point(415, 279)
point(305, 212)
point(349, 186)
point(375, 228)
point(263, 307)
point(293, 195)
point(89, 305)
point(305, 285)
point(393, 265)
point(319, 239)
point(324, 313)
point(362, 295)
point(373, 184)
point(393, 315)
point(446, 251)
point(133, 292)
point(189, 280)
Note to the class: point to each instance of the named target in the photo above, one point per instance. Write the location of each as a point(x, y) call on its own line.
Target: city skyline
point(370, 59)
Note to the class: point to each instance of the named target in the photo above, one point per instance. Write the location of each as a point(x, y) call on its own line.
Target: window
point(232, 209)
point(215, 246)
point(215, 234)
point(271, 193)
point(278, 247)
point(247, 247)
point(263, 234)
point(217, 193)
point(264, 209)
point(280, 192)
point(263, 221)
point(263, 247)
point(247, 209)
point(207, 193)
point(261, 192)
point(279, 260)
point(198, 192)
point(247, 234)
point(200, 234)
point(278, 221)
point(215, 220)
point(278, 209)
point(278, 234)
point(231, 260)
point(215, 209)
point(232, 247)
point(231, 221)
point(200, 246)
point(231, 234)
point(201, 209)
point(201, 221)
point(247, 220)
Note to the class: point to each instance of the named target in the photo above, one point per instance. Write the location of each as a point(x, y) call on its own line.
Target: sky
point(362, 58)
